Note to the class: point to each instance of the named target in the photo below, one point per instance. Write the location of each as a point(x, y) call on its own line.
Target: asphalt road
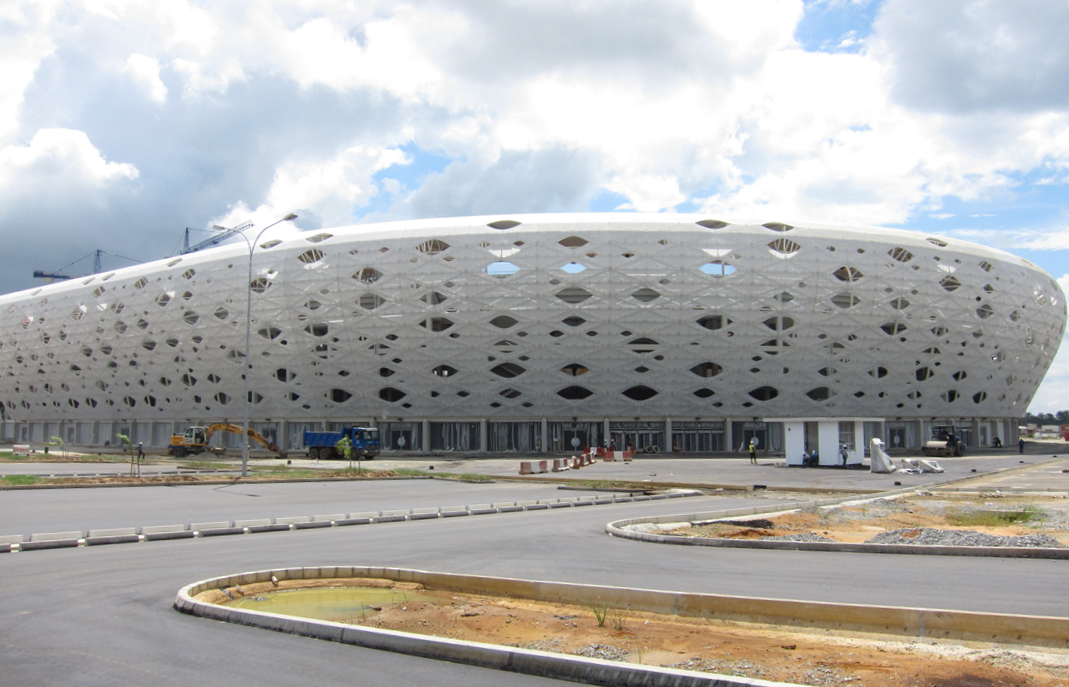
point(102, 615)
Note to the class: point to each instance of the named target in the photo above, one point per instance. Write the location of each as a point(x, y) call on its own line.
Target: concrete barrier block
point(293, 519)
point(560, 504)
point(344, 522)
point(161, 529)
point(392, 513)
point(314, 524)
point(217, 525)
point(11, 539)
point(364, 514)
point(424, 516)
point(255, 529)
point(391, 518)
point(56, 536)
point(537, 506)
point(256, 522)
point(328, 518)
point(166, 534)
point(220, 531)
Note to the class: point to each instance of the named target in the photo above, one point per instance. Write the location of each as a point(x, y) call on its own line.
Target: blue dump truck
point(365, 441)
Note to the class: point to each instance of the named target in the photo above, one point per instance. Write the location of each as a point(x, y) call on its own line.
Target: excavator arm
point(236, 429)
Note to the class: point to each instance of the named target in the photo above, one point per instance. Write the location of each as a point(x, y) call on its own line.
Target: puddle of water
point(336, 604)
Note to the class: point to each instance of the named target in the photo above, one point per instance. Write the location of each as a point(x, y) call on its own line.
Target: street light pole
point(248, 340)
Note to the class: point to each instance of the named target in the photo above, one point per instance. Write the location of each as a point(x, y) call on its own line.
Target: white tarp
point(880, 462)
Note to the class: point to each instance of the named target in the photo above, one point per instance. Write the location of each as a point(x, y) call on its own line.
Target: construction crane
point(223, 235)
point(60, 276)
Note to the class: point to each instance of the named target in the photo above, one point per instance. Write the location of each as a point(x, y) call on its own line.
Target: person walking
point(1020, 445)
point(844, 453)
point(753, 453)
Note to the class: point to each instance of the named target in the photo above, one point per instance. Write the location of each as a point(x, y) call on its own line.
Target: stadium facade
point(543, 333)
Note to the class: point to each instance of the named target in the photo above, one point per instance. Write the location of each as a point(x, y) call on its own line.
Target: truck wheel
point(313, 453)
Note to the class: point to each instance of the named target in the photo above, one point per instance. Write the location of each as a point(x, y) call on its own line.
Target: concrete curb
point(128, 535)
point(619, 528)
point(913, 622)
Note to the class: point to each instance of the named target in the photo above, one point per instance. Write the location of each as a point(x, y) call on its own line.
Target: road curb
point(914, 622)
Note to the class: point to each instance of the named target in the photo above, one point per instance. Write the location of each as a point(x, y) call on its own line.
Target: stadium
point(544, 333)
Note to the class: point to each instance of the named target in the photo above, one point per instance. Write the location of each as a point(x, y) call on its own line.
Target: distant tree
point(1059, 418)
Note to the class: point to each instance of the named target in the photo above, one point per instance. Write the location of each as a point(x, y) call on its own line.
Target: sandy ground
point(765, 652)
point(859, 523)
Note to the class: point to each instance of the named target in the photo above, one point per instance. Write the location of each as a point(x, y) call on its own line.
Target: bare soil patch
point(992, 513)
point(756, 651)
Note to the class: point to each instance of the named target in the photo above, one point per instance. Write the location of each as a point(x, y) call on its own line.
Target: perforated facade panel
point(546, 316)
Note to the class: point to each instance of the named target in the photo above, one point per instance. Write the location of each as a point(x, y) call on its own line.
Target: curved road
point(102, 615)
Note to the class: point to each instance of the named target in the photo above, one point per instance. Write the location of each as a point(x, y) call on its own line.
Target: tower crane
point(223, 235)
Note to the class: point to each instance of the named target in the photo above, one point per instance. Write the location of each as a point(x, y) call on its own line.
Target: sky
point(123, 122)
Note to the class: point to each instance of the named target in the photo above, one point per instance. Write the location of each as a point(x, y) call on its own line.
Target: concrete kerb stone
point(913, 622)
point(620, 528)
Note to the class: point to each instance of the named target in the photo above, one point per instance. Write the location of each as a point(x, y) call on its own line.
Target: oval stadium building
point(541, 333)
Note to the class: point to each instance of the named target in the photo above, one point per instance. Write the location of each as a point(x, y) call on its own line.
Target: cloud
point(146, 70)
point(958, 57)
point(62, 161)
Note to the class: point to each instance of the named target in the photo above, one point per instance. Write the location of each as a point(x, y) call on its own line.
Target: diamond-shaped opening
point(821, 393)
point(827, 371)
point(463, 394)
point(269, 333)
point(120, 327)
point(777, 226)
point(960, 375)
point(900, 254)
point(556, 333)
point(161, 300)
point(444, 371)
point(950, 283)
point(433, 298)
point(386, 372)
point(432, 247)
point(313, 304)
point(190, 317)
point(764, 393)
point(848, 274)
point(575, 393)
point(573, 294)
point(260, 284)
point(574, 369)
point(391, 394)
point(317, 329)
point(979, 397)
point(436, 324)
point(713, 322)
point(510, 393)
point(784, 247)
point(222, 313)
point(924, 373)
point(573, 242)
point(986, 266)
point(938, 242)
point(339, 395)
point(900, 303)
point(501, 269)
point(639, 393)
point(645, 295)
point(642, 369)
point(949, 396)
point(985, 311)
point(573, 320)
point(367, 275)
point(148, 344)
point(503, 224)
point(892, 328)
point(779, 324)
point(717, 268)
point(704, 393)
point(707, 369)
point(845, 300)
point(573, 268)
point(310, 256)
point(370, 301)
point(643, 345)
point(508, 370)
point(284, 375)
point(189, 380)
point(504, 321)
point(711, 223)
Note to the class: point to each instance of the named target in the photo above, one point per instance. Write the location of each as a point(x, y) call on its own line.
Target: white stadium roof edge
point(523, 332)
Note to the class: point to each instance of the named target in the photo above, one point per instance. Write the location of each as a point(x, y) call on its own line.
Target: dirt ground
point(861, 522)
point(755, 651)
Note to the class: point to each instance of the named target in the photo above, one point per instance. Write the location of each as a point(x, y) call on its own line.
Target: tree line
point(1059, 418)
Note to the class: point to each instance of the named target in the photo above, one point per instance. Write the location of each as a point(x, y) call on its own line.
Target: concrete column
point(284, 435)
point(545, 435)
point(426, 436)
point(974, 441)
point(729, 443)
point(669, 447)
point(605, 432)
point(921, 439)
point(484, 436)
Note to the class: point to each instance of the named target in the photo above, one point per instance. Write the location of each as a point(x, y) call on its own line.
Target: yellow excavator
point(195, 440)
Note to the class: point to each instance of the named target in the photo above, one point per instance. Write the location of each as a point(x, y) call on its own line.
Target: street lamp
point(248, 337)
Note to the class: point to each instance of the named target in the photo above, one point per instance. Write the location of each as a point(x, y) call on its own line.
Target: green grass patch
point(609, 484)
point(20, 480)
point(9, 455)
point(991, 518)
point(412, 472)
point(468, 476)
